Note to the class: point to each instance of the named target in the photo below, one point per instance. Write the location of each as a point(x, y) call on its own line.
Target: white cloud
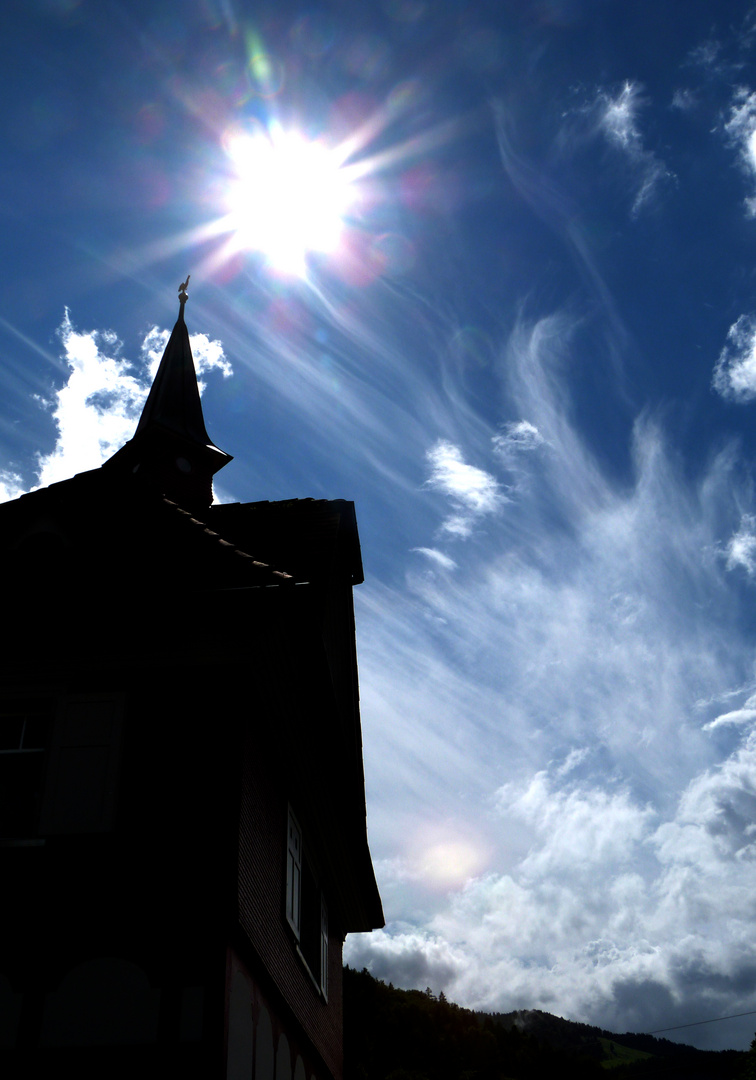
point(519, 437)
point(684, 99)
point(472, 491)
point(11, 485)
point(735, 370)
point(558, 702)
point(475, 489)
point(437, 557)
point(97, 409)
point(741, 547)
point(583, 927)
point(709, 849)
point(410, 958)
point(737, 717)
point(574, 759)
point(576, 826)
point(207, 354)
point(706, 55)
point(618, 119)
point(741, 130)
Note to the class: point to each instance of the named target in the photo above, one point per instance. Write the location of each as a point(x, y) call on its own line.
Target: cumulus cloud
point(735, 370)
point(96, 410)
point(619, 121)
point(473, 492)
point(580, 926)
point(208, 354)
point(407, 957)
point(715, 824)
point(576, 826)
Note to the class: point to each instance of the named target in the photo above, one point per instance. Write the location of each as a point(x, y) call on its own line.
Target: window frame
point(300, 869)
point(29, 710)
point(294, 874)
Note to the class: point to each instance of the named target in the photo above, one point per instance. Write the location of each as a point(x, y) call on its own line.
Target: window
point(25, 725)
point(306, 909)
point(80, 794)
point(59, 759)
point(294, 875)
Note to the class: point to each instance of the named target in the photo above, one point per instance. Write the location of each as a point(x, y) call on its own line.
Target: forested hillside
point(392, 1034)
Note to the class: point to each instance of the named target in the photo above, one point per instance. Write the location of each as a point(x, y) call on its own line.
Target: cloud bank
point(555, 713)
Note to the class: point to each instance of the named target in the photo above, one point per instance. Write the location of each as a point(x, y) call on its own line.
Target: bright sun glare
point(289, 197)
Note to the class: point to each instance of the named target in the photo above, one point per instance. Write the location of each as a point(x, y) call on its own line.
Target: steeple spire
point(171, 450)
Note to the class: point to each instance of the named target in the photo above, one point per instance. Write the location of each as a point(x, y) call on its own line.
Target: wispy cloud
point(746, 714)
point(619, 121)
point(684, 99)
point(437, 557)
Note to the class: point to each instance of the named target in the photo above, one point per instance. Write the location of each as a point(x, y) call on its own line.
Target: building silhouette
point(183, 840)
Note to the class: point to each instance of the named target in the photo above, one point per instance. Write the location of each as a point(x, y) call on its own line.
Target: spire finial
point(182, 291)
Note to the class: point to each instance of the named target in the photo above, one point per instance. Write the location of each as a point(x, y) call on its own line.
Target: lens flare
point(289, 197)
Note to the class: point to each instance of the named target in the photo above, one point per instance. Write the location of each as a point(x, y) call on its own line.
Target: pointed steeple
point(171, 450)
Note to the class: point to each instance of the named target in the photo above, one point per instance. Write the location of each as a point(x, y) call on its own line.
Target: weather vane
point(182, 290)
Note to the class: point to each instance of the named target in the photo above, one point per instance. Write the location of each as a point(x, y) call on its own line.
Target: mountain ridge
point(394, 1034)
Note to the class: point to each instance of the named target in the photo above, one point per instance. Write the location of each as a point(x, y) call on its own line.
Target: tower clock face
point(183, 465)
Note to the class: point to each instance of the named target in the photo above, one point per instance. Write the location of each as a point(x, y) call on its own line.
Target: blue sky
point(526, 349)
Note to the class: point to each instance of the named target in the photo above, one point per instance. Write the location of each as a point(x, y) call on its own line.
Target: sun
point(288, 197)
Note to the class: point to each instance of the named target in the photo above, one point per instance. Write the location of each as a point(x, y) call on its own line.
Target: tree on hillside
point(749, 1069)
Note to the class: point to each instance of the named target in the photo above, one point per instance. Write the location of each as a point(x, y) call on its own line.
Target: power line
point(697, 1023)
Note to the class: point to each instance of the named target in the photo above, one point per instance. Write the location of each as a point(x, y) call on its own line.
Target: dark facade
point(182, 815)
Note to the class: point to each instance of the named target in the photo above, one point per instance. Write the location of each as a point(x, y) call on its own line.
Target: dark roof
point(310, 537)
point(140, 530)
